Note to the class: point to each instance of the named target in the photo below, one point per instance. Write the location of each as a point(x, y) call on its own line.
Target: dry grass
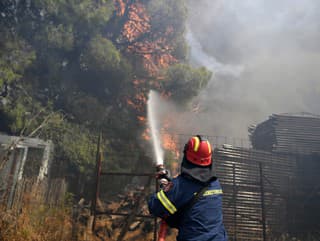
point(35, 223)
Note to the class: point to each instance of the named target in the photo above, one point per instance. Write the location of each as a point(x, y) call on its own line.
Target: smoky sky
point(265, 57)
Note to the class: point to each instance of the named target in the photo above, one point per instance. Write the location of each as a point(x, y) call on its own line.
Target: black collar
point(198, 173)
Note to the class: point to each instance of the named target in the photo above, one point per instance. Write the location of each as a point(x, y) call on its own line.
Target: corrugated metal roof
point(289, 133)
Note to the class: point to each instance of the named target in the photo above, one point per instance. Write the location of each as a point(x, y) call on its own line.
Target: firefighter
point(192, 202)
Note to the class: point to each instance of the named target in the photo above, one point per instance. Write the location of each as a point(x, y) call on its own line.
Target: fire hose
point(162, 230)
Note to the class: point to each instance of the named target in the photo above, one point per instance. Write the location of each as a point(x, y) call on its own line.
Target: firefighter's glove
point(162, 174)
point(163, 178)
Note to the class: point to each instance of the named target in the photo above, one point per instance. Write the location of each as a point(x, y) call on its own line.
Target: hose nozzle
point(160, 167)
point(162, 175)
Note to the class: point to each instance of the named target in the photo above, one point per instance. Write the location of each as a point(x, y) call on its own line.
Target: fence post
point(97, 182)
point(235, 202)
point(263, 214)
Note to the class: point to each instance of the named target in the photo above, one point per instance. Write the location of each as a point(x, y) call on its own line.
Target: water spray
point(154, 128)
point(155, 135)
point(152, 119)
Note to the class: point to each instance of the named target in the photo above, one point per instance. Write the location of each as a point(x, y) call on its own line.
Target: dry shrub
point(35, 222)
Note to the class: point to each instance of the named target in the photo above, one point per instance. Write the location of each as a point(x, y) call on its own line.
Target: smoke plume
point(265, 58)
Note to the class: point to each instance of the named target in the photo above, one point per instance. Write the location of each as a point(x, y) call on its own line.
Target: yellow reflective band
point(209, 147)
point(196, 144)
point(212, 192)
point(166, 202)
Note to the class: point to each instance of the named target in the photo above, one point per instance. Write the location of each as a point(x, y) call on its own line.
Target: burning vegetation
point(155, 50)
point(170, 142)
point(70, 69)
point(138, 22)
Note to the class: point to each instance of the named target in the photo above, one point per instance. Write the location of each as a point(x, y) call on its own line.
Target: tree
point(168, 13)
point(101, 54)
point(185, 82)
point(69, 76)
point(87, 16)
point(15, 56)
point(60, 36)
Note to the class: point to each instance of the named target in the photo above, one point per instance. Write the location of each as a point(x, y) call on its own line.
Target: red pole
point(163, 225)
point(162, 231)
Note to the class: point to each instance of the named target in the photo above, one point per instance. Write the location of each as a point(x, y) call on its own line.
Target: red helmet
point(198, 151)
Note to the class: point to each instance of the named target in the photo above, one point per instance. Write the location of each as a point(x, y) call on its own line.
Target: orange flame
point(138, 23)
point(138, 102)
point(120, 6)
point(155, 55)
point(142, 119)
point(155, 52)
point(169, 142)
point(146, 134)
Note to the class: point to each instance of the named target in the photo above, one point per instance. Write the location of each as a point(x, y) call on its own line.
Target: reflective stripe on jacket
point(203, 221)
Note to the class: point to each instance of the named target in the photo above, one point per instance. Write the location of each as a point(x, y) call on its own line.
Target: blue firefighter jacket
point(203, 221)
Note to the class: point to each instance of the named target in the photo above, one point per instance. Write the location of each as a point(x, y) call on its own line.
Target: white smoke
point(264, 56)
point(198, 55)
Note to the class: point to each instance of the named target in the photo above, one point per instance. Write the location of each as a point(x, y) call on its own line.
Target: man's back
point(198, 217)
point(201, 222)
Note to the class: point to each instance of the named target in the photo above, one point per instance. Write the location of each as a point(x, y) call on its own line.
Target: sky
point(265, 59)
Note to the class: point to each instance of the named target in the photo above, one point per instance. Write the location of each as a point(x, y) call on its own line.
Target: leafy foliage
point(86, 13)
point(74, 144)
point(67, 73)
point(60, 36)
point(180, 48)
point(167, 12)
point(21, 114)
point(101, 54)
point(185, 82)
point(15, 56)
point(77, 146)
